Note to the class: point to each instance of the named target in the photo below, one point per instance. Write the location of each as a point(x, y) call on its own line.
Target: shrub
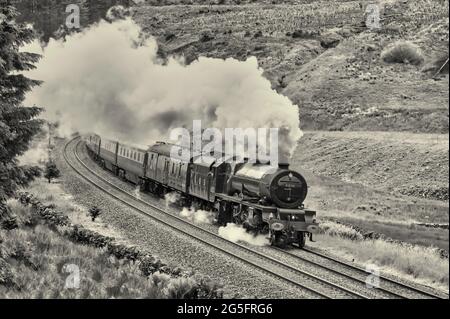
point(403, 52)
point(9, 223)
point(51, 171)
point(94, 212)
point(334, 229)
point(6, 274)
point(119, 264)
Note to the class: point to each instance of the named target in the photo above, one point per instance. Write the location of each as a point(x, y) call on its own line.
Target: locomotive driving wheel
point(278, 239)
point(301, 240)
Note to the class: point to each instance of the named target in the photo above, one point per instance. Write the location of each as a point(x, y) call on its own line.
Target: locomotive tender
point(262, 198)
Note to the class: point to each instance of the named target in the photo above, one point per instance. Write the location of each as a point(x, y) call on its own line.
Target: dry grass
point(413, 262)
point(35, 256)
point(338, 230)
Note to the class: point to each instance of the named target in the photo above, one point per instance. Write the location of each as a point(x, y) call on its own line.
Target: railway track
point(391, 287)
point(316, 286)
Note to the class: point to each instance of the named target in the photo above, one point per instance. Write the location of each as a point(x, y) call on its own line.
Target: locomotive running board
point(238, 200)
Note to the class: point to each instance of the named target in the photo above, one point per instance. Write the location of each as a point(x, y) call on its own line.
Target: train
point(263, 199)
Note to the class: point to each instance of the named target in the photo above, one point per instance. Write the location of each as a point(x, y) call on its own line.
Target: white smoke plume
point(38, 152)
point(109, 80)
point(197, 216)
point(137, 192)
point(235, 233)
point(171, 198)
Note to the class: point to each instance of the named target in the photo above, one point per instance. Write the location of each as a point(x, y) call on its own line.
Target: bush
point(94, 212)
point(36, 254)
point(6, 274)
point(51, 171)
point(403, 52)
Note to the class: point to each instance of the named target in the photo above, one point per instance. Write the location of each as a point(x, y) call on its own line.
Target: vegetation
point(94, 212)
point(18, 124)
point(51, 171)
point(423, 264)
point(46, 240)
point(403, 52)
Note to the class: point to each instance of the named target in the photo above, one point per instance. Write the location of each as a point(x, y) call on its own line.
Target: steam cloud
point(109, 80)
point(197, 216)
point(235, 233)
point(171, 198)
point(38, 152)
point(35, 155)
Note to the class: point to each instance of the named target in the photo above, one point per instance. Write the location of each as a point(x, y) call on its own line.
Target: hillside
point(326, 61)
point(389, 168)
point(401, 163)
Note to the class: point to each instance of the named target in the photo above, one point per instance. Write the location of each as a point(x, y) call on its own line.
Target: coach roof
point(165, 149)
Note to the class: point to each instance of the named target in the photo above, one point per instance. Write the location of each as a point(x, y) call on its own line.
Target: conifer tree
point(18, 123)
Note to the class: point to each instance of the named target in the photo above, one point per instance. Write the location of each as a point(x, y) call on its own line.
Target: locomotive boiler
point(279, 186)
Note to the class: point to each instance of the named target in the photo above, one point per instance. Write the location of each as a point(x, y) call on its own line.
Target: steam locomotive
point(261, 198)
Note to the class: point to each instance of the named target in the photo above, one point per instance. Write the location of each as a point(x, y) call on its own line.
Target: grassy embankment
point(37, 258)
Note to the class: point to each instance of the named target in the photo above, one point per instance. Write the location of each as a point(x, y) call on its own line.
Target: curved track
point(390, 287)
point(314, 285)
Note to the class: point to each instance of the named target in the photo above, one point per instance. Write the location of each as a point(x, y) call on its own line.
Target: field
point(384, 182)
point(326, 61)
point(43, 259)
point(379, 160)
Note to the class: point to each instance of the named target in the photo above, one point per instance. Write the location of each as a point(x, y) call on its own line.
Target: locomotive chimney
point(283, 159)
